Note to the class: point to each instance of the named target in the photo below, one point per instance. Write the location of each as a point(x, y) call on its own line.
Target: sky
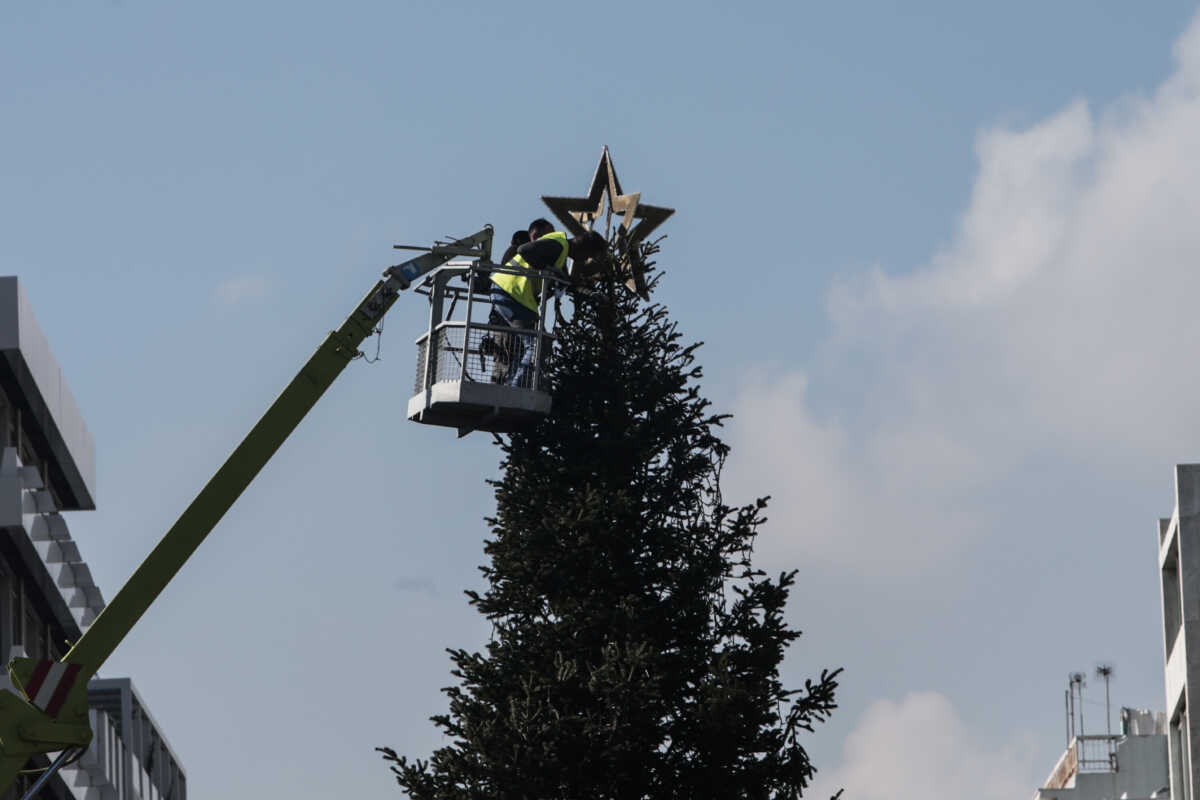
point(939, 254)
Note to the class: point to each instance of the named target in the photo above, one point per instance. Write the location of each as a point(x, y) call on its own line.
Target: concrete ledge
point(49, 412)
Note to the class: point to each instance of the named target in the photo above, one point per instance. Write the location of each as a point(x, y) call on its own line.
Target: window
point(16, 615)
point(1181, 773)
point(1172, 619)
point(5, 613)
point(6, 420)
point(35, 635)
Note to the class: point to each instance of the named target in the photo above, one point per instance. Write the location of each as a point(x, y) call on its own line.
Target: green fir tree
point(635, 649)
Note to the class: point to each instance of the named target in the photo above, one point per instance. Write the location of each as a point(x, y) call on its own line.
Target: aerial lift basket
point(472, 371)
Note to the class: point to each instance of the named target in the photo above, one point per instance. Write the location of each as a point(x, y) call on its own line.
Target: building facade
point(47, 595)
point(1179, 572)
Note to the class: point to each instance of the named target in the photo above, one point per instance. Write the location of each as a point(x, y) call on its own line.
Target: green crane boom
point(46, 711)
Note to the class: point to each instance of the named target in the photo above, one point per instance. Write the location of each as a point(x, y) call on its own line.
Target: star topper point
point(579, 214)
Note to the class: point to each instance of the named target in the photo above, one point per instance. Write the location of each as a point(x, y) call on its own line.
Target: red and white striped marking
point(49, 685)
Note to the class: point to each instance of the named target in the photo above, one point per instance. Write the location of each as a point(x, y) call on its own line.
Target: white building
point(1179, 566)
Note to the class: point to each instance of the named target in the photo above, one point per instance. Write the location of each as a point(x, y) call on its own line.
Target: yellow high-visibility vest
point(524, 289)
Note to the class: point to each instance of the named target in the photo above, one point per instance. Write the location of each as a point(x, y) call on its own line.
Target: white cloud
point(837, 499)
point(919, 749)
point(1062, 318)
point(241, 288)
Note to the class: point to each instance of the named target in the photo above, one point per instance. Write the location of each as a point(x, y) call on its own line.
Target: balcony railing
point(1084, 754)
point(1096, 753)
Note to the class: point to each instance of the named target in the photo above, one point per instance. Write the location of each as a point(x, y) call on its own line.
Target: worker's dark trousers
point(514, 359)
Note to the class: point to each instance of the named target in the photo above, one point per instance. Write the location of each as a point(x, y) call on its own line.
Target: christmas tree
point(635, 649)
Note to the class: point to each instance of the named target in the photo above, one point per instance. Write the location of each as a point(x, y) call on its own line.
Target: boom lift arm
point(47, 709)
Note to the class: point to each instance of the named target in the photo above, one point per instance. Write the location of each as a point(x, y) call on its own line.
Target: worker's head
point(587, 246)
point(539, 228)
point(519, 238)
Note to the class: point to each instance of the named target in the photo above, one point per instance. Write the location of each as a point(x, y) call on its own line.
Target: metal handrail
point(478, 326)
point(554, 276)
point(1096, 752)
point(484, 326)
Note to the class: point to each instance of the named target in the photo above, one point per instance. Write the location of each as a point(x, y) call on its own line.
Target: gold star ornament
point(579, 214)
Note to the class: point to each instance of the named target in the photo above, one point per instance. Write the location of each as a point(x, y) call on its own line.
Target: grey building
point(47, 595)
point(1179, 569)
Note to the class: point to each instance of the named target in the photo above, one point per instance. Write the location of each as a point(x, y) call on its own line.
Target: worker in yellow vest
point(481, 280)
point(515, 296)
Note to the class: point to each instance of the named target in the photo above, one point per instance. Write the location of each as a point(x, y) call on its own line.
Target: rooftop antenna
point(1077, 684)
point(1067, 713)
point(1105, 671)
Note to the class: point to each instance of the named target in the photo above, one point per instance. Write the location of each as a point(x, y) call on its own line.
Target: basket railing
point(469, 348)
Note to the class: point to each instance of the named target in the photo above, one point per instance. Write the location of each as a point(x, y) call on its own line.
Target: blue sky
point(939, 255)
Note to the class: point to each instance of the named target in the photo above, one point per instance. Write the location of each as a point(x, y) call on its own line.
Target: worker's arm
point(540, 254)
